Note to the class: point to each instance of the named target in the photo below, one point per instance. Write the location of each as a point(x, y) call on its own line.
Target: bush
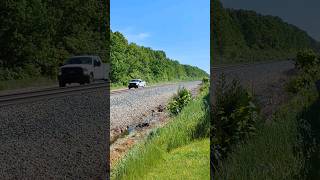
point(309, 68)
point(181, 99)
point(234, 117)
point(205, 80)
point(306, 59)
point(204, 85)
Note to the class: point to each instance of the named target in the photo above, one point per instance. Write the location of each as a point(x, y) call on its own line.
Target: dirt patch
point(136, 134)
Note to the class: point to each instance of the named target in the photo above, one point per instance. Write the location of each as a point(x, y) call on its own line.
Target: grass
point(26, 83)
point(276, 152)
point(191, 162)
point(190, 125)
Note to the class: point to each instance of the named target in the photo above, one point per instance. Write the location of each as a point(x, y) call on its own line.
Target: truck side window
point(96, 63)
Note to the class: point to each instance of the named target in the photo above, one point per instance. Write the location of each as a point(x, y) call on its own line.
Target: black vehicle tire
point(91, 78)
point(62, 84)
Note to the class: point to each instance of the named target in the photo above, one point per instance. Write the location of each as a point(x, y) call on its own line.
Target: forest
point(246, 36)
point(37, 35)
point(129, 60)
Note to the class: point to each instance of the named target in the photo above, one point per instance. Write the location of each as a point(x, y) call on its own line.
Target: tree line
point(129, 61)
point(242, 35)
point(37, 35)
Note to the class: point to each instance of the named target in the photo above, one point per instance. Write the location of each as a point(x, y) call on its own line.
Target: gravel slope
point(58, 138)
point(267, 81)
point(127, 107)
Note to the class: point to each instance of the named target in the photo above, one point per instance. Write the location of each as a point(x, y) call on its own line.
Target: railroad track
point(241, 66)
point(26, 96)
point(114, 92)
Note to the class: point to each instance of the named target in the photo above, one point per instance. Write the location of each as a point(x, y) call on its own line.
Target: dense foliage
point(234, 117)
point(37, 35)
point(308, 66)
point(128, 61)
point(241, 35)
point(179, 101)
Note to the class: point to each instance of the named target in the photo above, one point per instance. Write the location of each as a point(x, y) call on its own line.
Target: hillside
point(129, 60)
point(242, 36)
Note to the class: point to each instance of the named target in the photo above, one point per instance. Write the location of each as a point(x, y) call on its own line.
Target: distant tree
point(129, 60)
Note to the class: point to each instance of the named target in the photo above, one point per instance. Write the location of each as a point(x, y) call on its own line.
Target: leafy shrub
point(309, 68)
point(233, 118)
point(181, 99)
point(306, 58)
point(205, 80)
point(204, 85)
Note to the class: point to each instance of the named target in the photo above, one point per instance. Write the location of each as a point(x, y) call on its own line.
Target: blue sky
point(181, 28)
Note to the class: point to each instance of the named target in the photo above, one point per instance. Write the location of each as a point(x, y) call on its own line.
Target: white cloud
point(137, 38)
point(133, 36)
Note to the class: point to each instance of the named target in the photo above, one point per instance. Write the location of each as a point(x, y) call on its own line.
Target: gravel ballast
point(57, 138)
point(266, 81)
point(127, 107)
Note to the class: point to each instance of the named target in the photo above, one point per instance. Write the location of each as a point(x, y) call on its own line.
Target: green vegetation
point(242, 36)
point(38, 35)
point(286, 146)
point(179, 101)
point(188, 162)
point(26, 83)
point(170, 145)
point(276, 152)
point(234, 117)
point(130, 61)
point(308, 66)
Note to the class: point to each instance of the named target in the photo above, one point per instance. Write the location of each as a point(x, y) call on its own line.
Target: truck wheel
point(91, 79)
point(62, 84)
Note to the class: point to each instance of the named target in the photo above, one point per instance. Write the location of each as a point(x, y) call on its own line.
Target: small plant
point(204, 85)
point(180, 100)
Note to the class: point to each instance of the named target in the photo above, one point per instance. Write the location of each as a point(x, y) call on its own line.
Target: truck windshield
point(135, 80)
point(79, 60)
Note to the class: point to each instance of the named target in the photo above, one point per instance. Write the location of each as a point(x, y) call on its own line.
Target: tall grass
point(25, 83)
point(276, 152)
point(181, 130)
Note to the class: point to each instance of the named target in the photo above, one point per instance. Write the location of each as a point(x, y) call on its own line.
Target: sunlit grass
point(188, 162)
point(190, 125)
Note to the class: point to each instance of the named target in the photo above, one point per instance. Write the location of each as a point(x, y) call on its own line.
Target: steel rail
point(240, 66)
point(12, 98)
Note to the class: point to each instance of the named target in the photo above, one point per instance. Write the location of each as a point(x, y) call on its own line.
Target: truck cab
point(82, 69)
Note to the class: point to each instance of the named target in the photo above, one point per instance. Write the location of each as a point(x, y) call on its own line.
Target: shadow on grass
point(202, 129)
point(311, 141)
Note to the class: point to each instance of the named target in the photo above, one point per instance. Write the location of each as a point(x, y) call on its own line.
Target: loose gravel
point(57, 138)
point(266, 81)
point(127, 107)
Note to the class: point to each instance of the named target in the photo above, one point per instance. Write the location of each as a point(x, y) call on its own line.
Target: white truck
point(136, 83)
point(83, 69)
